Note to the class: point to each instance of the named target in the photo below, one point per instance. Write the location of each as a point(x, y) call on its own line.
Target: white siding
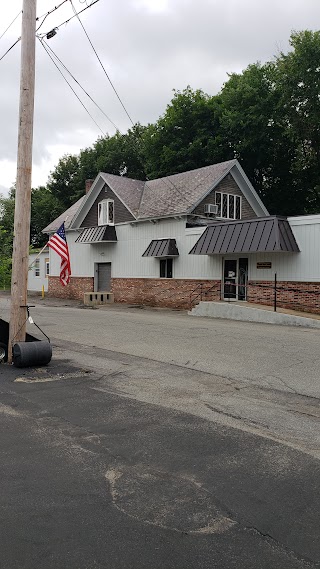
point(126, 254)
point(133, 240)
point(303, 266)
point(35, 283)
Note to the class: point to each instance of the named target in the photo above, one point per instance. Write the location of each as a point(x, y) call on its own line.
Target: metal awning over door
point(261, 235)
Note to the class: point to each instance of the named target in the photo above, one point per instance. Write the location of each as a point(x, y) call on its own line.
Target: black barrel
point(26, 354)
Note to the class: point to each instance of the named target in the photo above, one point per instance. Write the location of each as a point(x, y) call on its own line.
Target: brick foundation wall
point(170, 293)
point(304, 296)
point(74, 290)
point(175, 293)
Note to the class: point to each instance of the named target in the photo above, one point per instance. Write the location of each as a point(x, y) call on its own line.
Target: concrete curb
point(231, 311)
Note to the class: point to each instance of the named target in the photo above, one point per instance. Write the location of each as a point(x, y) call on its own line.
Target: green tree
point(186, 137)
point(44, 208)
point(121, 154)
point(63, 180)
point(298, 82)
point(6, 238)
point(255, 128)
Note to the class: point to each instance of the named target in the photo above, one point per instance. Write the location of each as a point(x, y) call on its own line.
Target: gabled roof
point(127, 189)
point(177, 194)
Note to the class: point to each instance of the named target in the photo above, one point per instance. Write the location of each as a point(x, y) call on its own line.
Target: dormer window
point(106, 212)
point(229, 206)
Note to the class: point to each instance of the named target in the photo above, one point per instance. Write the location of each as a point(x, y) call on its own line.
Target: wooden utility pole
point(20, 258)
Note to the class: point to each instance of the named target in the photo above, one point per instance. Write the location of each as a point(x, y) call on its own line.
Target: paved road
point(159, 440)
point(260, 378)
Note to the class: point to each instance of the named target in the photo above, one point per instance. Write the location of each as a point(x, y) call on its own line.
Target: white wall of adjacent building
point(39, 271)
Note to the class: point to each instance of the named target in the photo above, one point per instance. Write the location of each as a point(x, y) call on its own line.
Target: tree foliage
point(186, 137)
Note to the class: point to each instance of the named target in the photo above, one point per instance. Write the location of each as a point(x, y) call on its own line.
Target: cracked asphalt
point(158, 440)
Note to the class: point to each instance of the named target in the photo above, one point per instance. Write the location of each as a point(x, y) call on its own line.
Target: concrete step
point(235, 311)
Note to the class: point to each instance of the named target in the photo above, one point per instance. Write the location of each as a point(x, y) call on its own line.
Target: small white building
point(39, 270)
point(203, 234)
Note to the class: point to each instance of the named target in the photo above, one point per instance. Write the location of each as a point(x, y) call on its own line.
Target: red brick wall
point(171, 293)
point(175, 293)
point(74, 290)
point(304, 296)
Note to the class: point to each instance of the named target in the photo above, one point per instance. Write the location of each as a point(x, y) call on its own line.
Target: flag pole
point(37, 257)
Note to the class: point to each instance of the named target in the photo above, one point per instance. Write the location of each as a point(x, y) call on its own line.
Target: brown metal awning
point(162, 248)
point(261, 235)
point(102, 234)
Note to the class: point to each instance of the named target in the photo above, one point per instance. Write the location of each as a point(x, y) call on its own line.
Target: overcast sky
point(148, 48)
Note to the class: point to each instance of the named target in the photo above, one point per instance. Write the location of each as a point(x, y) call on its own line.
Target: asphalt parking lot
point(154, 439)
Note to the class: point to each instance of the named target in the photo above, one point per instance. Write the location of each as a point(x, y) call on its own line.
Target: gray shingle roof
point(177, 194)
point(128, 190)
point(171, 195)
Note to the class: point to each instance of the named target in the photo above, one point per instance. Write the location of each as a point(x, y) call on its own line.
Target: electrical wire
point(72, 89)
point(44, 16)
point(97, 56)
point(71, 18)
point(5, 31)
point(15, 43)
point(76, 81)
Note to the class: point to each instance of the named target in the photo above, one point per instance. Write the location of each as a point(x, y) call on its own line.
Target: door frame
point(237, 278)
point(96, 274)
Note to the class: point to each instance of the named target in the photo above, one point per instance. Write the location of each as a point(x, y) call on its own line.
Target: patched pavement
point(94, 478)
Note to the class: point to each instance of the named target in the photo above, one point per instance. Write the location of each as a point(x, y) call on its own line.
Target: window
point(166, 268)
point(37, 268)
point(106, 212)
point(47, 265)
point(229, 206)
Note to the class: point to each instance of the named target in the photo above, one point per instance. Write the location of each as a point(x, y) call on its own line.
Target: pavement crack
point(246, 420)
point(275, 542)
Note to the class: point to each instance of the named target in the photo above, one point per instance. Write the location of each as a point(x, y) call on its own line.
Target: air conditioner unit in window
point(210, 209)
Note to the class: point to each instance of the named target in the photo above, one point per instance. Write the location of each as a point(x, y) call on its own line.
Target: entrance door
point(235, 276)
point(230, 281)
point(104, 277)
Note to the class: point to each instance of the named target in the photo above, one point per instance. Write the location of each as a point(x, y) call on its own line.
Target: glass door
point(230, 272)
point(235, 278)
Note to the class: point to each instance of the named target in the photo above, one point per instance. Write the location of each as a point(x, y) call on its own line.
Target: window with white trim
point(37, 268)
point(229, 206)
point(47, 265)
point(106, 212)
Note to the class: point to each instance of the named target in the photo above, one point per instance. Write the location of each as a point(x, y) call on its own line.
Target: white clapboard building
point(203, 234)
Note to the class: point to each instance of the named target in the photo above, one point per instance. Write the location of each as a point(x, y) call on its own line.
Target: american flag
point(58, 242)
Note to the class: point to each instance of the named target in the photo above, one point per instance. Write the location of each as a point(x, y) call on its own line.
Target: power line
point(72, 89)
point(71, 18)
point(5, 31)
point(105, 72)
point(15, 43)
point(76, 81)
point(44, 16)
